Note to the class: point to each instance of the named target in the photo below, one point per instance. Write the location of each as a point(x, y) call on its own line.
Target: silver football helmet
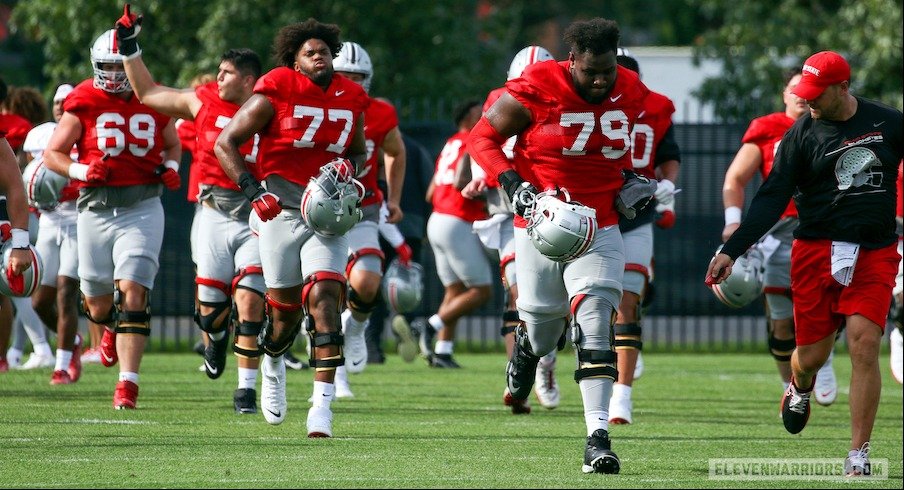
point(43, 186)
point(403, 287)
point(745, 283)
point(22, 285)
point(331, 203)
point(354, 59)
point(105, 50)
point(851, 168)
point(560, 230)
point(526, 57)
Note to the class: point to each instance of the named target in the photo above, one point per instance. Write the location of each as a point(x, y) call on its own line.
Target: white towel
point(488, 230)
point(844, 259)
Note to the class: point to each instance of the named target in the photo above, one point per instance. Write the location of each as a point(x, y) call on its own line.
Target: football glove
point(523, 194)
point(127, 28)
point(265, 204)
point(636, 192)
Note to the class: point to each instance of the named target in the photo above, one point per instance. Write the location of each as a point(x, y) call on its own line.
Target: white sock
point(596, 393)
point(247, 378)
point(444, 347)
point(350, 326)
point(127, 376)
point(63, 357)
point(14, 353)
point(621, 391)
point(323, 394)
point(436, 322)
point(43, 349)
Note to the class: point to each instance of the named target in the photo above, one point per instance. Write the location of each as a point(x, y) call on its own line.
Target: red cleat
point(60, 377)
point(108, 355)
point(75, 365)
point(125, 396)
point(519, 407)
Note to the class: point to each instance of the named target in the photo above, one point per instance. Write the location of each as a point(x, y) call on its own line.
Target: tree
point(757, 41)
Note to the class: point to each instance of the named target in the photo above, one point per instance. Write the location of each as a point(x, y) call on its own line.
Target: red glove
point(170, 177)
point(665, 215)
point(98, 170)
point(266, 206)
point(16, 281)
point(127, 28)
point(404, 253)
point(6, 231)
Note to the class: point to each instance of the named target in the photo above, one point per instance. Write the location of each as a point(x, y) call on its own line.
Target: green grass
point(410, 426)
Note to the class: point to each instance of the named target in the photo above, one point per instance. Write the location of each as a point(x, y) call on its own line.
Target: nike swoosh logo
point(339, 92)
point(639, 115)
point(325, 394)
point(275, 414)
point(210, 368)
point(826, 393)
point(106, 357)
point(876, 125)
point(356, 363)
point(615, 99)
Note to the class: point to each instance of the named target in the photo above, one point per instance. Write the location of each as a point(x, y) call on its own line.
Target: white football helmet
point(43, 187)
point(22, 285)
point(745, 283)
point(331, 203)
point(105, 50)
point(403, 287)
point(560, 230)
point(526, 57)
point(354, 59)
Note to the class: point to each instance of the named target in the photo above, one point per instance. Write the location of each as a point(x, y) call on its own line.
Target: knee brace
point(593, 363)
point(248, 329)
point(108, 320)
point(216, 321)
point(781, 349)
point(323, 339)
point(359, 304)
point(269, 346)
point(362, 252)
point(247, 271)
point(510, 321)
point(628, 336)
point(521, 370)
point(134, 322)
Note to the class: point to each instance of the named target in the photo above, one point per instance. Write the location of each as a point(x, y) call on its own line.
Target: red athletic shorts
point(821, 303)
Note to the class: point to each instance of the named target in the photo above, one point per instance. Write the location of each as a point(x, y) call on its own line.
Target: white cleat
point(343, 390)
point(37, 361)
point(320, 422)
point(14, 357)
point(638, 368)
point(91, 356)
point(407, 348)
point(826, 389)
point(897, 355)
point(545, 386)
point(620, 407)
point(273, 390)
point(355, 349)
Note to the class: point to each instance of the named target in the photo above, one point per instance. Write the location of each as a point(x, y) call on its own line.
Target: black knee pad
point(134, 322)
point(213, 323)
point(781, 349)
point(109, 320)
point(272, 347)
point(357, 303)
point(510, 322)
point(596, 364)
point(248, 329)
point(322, 339)
point(628, 336)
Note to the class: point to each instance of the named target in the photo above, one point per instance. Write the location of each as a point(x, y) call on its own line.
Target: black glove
point(636, 192)
point(523, 194)
point(127, 28)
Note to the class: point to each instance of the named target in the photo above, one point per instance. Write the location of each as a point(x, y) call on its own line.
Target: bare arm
point(167, 100)
point(462, 172)
point(65, 135)
point(17, 208)
point(172, 145)
point(357, 149)
point(668, 170)
point(742, 168)
point(251, 118)
point(394, 160)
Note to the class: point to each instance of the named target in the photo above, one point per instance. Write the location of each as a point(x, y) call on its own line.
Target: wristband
point(172, 165)
point(20, 238)
point(78, 171)
point(732, 215)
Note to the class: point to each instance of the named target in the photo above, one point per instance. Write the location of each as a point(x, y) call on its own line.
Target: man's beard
point(323, 78)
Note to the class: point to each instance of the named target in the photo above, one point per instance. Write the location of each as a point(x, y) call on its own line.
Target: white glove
point(665, 192)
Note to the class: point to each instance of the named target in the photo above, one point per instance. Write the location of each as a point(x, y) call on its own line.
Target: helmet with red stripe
point(104, 55)
point(560, 230)
point(745, 283)
point(24, 284)
point(525, 58)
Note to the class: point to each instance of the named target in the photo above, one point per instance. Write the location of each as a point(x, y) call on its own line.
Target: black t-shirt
point(841, 175)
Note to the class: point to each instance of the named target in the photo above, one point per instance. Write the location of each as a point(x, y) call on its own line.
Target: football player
point(306, 116)
point(229, 276)
point(128, 153)
point(573, 120)
point(460, 257)
point(655, 155)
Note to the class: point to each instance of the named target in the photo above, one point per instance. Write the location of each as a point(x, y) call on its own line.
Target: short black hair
point(246, 61)
point(596, 36)
point(290, 38)
point(461, 110)
point(628, 62)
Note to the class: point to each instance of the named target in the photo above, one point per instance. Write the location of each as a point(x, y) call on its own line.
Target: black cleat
point(521, 371)
point(215, 357)
point(199, 347)
point(426, 334)
point(598, 456)
point(245, 401)
point(293, 362)
point(795, 409)
point(443, 361)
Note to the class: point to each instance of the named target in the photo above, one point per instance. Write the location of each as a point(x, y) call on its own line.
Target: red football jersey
point(127, 130)
point(571, 143)
point(185, 129)
point(379, 119)
point(766, 132)
point(446, 198)
point(16, 128)
point(651, 126)
point(214, 115)
point(310, 126)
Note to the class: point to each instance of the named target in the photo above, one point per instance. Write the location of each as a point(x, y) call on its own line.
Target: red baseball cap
point(821, 70)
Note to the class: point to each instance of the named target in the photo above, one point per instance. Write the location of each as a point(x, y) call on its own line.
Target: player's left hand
point(665, 192)
point(170, 177)
point(719, 269)
point(405, 254)
point(395, 213)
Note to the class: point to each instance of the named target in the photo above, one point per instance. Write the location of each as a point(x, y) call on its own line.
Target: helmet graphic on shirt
point(853, 168)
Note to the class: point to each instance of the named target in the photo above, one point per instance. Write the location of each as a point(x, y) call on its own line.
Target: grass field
point(411, 426)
